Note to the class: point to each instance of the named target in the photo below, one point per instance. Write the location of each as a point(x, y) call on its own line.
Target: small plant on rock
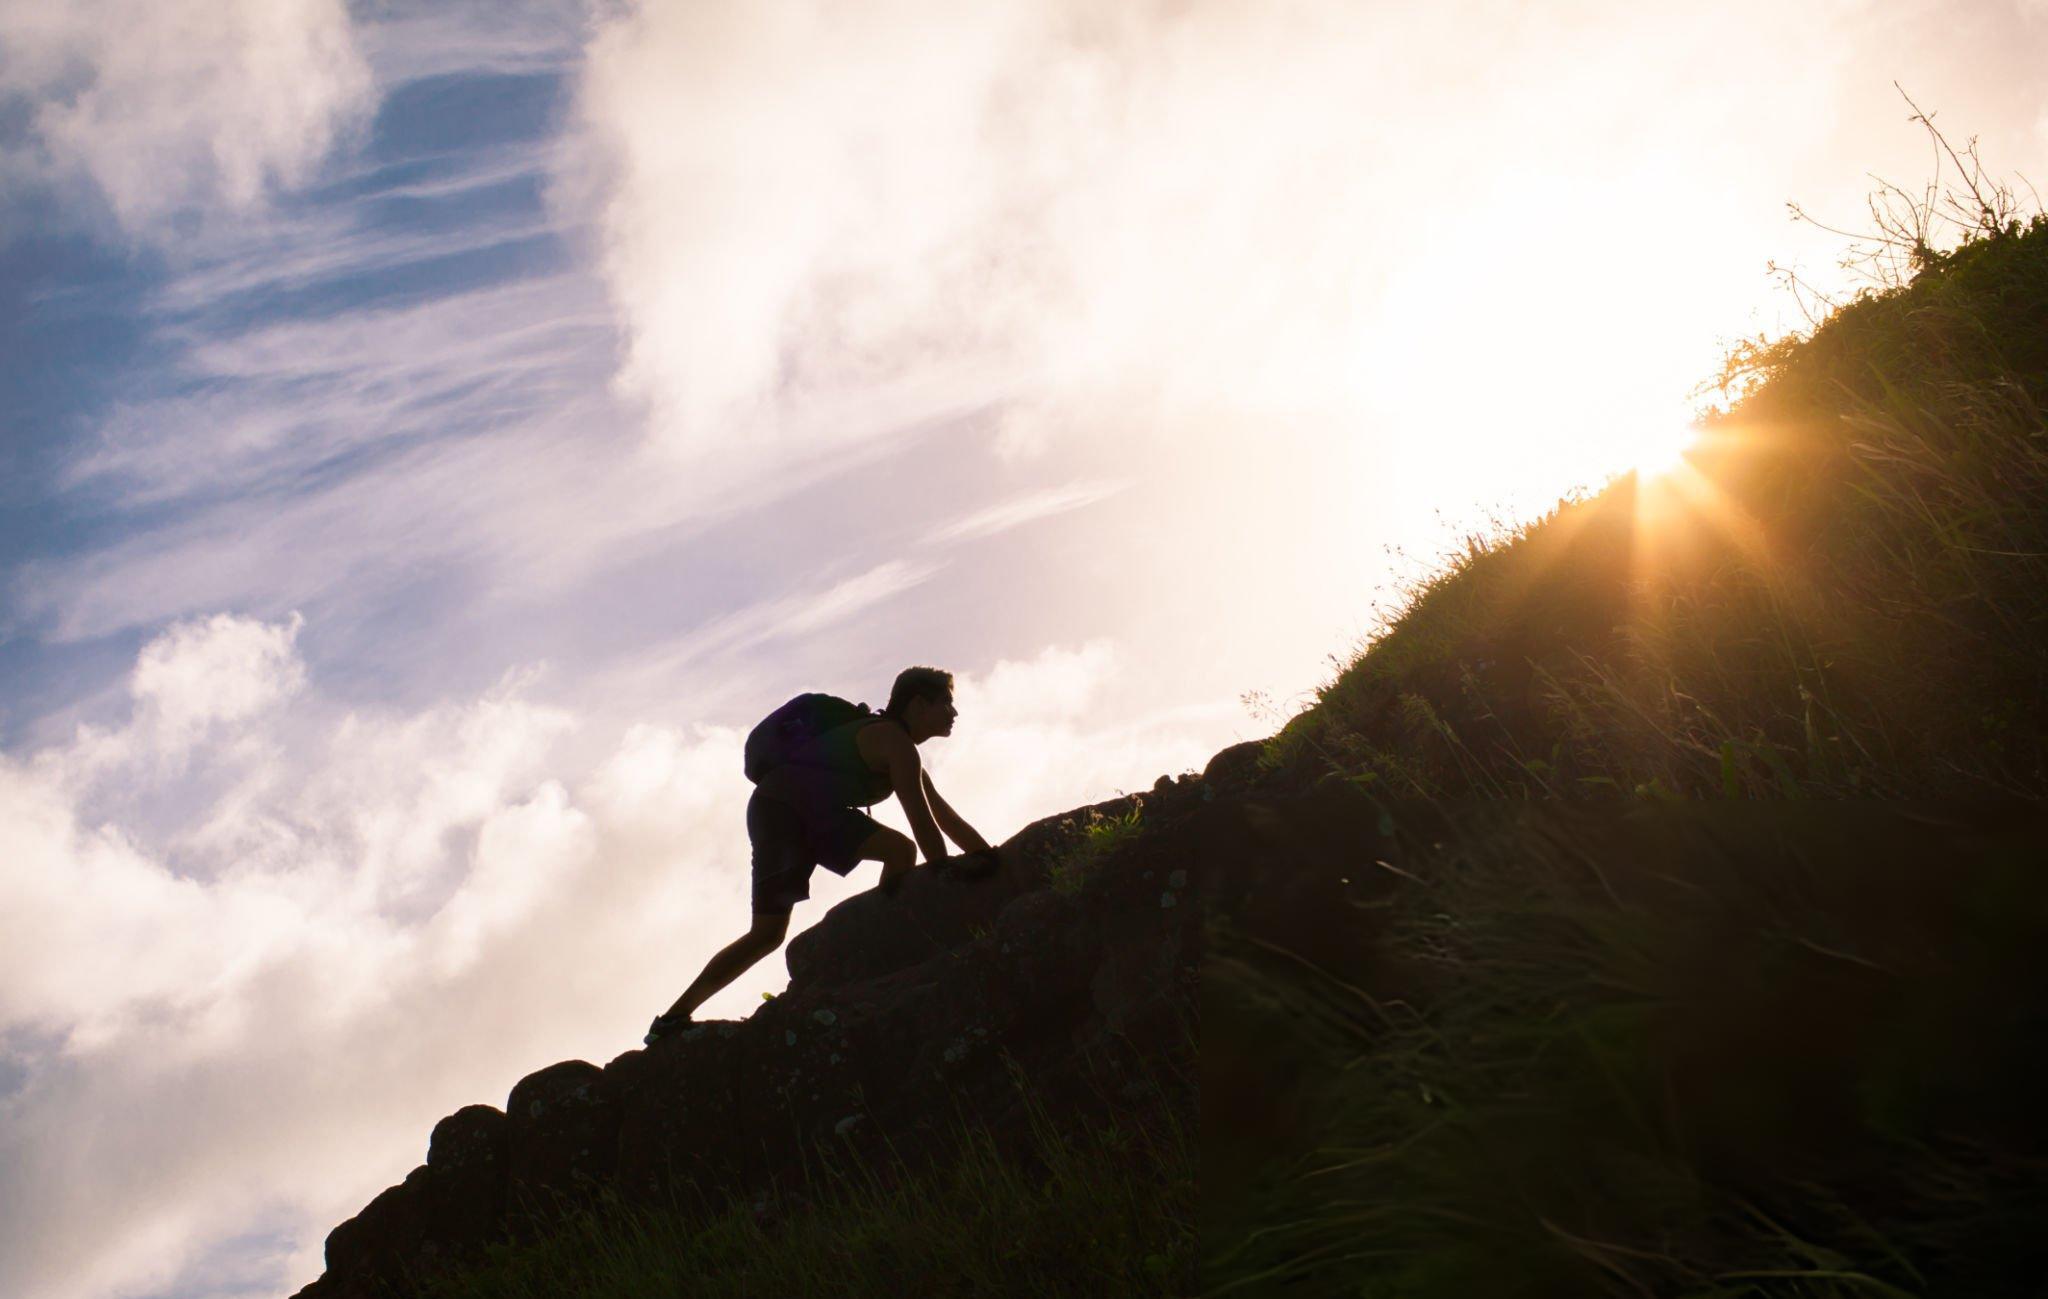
point(1100, 836)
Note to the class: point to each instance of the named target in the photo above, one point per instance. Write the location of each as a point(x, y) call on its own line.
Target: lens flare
point(1662, 451)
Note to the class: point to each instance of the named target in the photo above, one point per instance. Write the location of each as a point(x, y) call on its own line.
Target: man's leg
point(895, 850)
point(735, 959)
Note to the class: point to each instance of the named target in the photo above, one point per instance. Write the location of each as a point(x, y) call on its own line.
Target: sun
point(1663, 451)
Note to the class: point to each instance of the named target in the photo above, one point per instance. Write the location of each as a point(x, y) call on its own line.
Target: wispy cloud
point(792, 616)
point(273, 403)
point(412, 40)
point(1017, 512)
point(380, 380)
point(303, 447)
point(260, 260)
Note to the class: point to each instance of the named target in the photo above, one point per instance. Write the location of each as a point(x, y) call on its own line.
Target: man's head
point(922, 699)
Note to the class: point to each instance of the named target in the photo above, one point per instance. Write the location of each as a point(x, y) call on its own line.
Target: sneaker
point(662, 1026)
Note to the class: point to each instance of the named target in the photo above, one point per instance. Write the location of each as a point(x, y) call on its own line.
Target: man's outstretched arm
point(950, 821)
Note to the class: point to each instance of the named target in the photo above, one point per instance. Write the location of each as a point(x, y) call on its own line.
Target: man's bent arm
point(907, 775)
point(952, 822)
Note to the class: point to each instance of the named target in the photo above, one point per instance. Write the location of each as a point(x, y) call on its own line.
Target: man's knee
point(892, 848)
point(769, 928)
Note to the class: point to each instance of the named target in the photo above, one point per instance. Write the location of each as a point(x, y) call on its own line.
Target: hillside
point(1059, 993)
point(1715, 962)
point(1654, 907)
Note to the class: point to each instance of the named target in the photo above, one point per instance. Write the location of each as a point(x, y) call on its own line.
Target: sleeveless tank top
point(830, 771)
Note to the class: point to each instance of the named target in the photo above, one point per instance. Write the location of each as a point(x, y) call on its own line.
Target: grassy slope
point(1656, 1027)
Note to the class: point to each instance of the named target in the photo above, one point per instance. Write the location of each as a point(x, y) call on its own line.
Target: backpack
point(785, 734)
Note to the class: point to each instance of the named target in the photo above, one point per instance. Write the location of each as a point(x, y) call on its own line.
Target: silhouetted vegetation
point(1682, 1048)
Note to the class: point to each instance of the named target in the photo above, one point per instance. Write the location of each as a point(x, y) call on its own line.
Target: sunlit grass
point(1841, 589)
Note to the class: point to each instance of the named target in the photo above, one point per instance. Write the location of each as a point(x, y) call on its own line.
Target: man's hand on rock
point(971, 865)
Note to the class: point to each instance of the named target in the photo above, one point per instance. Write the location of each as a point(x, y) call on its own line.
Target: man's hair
point(918, 683)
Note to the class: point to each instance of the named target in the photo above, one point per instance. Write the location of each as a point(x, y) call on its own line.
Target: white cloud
point(207, 679)
point(1057, 686)
point(172, 108)
point(307, 966)
point(90, 921)
point(718, 234)
point(801, 199)
point(222, 669)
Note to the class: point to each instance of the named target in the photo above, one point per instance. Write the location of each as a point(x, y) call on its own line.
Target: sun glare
point(1663, 451)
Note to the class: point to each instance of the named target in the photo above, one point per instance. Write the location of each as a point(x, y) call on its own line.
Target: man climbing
point(807, 814)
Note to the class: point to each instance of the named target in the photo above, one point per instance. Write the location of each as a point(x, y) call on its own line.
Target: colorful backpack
point(787, 733)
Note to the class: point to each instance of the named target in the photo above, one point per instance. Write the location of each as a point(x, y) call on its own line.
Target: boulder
point(465, 1205)
point(561, 1140)
point(872, 934)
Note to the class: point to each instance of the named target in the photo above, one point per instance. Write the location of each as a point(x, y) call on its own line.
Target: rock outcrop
point(1070, 973)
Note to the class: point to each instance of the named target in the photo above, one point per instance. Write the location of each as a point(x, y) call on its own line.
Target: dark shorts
point(790, 839)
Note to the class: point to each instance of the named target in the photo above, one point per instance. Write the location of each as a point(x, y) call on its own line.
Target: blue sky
point(430, 435)
point(113, 442)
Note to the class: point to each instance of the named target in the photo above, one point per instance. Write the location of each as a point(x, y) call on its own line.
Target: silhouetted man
point(806, 815)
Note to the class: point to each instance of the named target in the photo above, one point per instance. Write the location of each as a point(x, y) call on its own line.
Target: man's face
point(942, 714)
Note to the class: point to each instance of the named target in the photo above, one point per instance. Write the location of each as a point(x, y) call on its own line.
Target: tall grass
point(1697, 1050)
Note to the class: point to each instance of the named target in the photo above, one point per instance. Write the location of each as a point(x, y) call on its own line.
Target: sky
point(432, 434)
